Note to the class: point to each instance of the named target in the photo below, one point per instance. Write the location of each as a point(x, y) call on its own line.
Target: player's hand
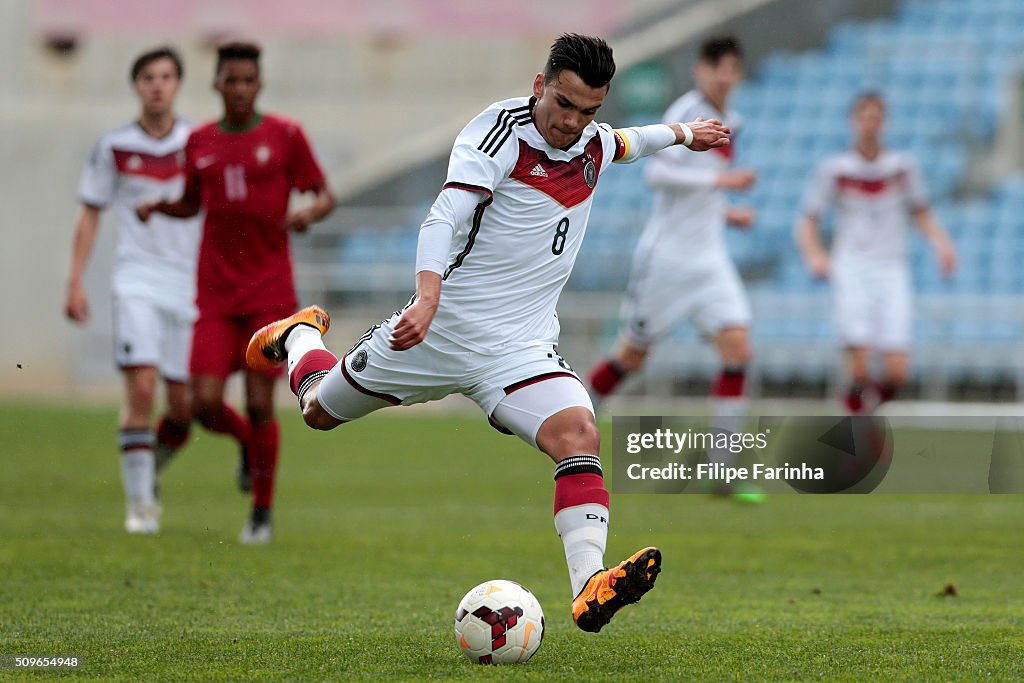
point(741, 217)
point(413, 325)
point(145, 210)
point(299, 221)
point(736, 179)
point(707, 134)
point(76, 304)
point(819, 265)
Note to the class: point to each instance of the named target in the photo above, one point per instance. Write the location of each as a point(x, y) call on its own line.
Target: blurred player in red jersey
point(242, 170)
point(153, 279)
point(874, 190)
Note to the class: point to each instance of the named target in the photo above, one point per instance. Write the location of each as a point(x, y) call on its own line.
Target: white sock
point(300, 341)
point(137, 475)
point(729, 415)
point(584, 533)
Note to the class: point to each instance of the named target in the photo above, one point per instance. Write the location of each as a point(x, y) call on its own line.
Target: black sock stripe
point(308, 381)
point(579, 464)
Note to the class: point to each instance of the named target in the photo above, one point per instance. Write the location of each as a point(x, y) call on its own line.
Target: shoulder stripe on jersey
point(507, 132)
point(469, 188)
point(499, 123)
point(502, 128)
point(477, 218)
point(494, 145)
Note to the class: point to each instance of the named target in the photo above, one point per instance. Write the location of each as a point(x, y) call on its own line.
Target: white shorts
point(662, 294)
point(148, 334)
point(517, 391)
point(873, 308)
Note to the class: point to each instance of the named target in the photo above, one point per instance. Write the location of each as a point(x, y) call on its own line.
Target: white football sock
point(301, 340)
point(584, 533)
point(730, 416)
point(138, 475)
point(138, 470)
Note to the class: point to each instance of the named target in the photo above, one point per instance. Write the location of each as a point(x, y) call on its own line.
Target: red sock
point(317, 361)
point(227, 421)
point(578, 481)
point(854, 400)
point(606, 376)
point(263, 451)
point(887, 391)
point(729, 383)
point(580, 489)
point(171, 433)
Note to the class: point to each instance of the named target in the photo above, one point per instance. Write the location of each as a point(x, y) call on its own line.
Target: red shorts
point(219, 342)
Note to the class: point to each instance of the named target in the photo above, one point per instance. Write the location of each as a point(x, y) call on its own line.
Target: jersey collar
point(255, 121)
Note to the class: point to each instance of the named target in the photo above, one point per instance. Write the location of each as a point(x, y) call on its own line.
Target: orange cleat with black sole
point(266, 348)
point(609, 590)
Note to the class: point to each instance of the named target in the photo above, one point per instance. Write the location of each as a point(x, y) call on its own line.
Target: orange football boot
point(609, 590)
point(266, 348)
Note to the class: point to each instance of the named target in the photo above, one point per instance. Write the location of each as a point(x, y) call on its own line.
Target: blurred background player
point(681, 267)
point(873, 190)
point(153, 280)
point(502, 237)
point(241, 170)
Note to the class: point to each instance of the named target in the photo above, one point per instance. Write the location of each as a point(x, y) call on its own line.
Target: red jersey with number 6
point(244, 179)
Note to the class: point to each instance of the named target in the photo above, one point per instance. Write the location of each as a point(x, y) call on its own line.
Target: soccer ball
point(499, 622)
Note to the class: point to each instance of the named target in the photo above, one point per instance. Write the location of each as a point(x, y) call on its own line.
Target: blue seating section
point(943, 66)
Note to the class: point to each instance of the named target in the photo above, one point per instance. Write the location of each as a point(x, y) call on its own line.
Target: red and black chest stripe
point(567, 182)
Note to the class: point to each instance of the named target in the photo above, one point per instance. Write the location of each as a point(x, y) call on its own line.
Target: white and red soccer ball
point(499, 622)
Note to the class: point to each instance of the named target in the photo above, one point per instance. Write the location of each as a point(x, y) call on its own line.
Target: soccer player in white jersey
point(153, 280)
point(494, 253)
point(873, 190)
point(681, 267)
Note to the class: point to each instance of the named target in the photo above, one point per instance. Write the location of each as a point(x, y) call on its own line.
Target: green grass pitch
point(384, 524)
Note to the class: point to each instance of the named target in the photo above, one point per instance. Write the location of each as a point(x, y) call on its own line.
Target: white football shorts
point(150, 334)
point(873, 306)
point(663, 292)
point(517, 391)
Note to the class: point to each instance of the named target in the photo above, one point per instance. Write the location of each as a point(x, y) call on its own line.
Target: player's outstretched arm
point(703, 134)
point(415, 322)
point(698, 135)
point(76, 301)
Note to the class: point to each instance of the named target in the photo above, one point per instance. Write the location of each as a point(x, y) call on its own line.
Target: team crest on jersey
point(590, 172)
point(134, 162)
point(359, 361)
point(262, 154)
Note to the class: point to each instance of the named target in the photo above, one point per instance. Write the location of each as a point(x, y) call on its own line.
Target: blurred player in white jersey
point(681, 267)
point(873, 190)
point(153, 281)
point(494, 252)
